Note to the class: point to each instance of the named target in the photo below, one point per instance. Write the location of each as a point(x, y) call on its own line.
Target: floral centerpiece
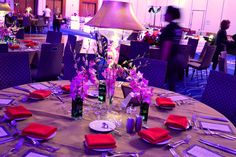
point(79, 88)
point(140, 91)
point(151, 39)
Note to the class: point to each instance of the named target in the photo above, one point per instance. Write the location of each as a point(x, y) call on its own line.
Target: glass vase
point(77, 108)
point(144, 107)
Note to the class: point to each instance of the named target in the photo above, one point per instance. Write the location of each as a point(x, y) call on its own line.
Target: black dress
point(172, 32)
point(56, 23)
point(221, 41)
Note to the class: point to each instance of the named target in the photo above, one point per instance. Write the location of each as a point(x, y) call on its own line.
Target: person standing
point(47, 15)
point(57, 18)
point(221, 42)
point(169, 40)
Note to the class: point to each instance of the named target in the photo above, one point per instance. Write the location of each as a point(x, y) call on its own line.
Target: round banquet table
point(34, 52)
point(70, 133)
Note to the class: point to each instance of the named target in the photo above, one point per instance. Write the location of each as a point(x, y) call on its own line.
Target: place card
point(215, 126)
point(34, 153)
point(3, 132)
point(199, 151)
point(5, 101)
point(39, 86)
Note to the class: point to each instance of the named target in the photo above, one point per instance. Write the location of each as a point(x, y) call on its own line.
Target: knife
point(22, 89)
point(218, 146)
point(214, 118)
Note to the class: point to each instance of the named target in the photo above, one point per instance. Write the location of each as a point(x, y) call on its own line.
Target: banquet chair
point(14, 69)
point(199, 60)
point(138, 49)
point(133, 36)
point(20, 34)
point(50, 61)
point(153, 70)
point(69, 70)
point(53, 37)
point(41, 25)
point(3, 48)
point(83, 60)
point(193, 43)
point(126, 90)
point(206, 61)
point(220, 94)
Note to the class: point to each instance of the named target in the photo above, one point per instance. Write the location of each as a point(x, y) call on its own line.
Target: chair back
point(184, 52)
point(138, 49)
point(126, 90)
point(133, 36)
point(26, 21)
point(14, 69)
point(206, 61)
point(83, 59)
point(78, 46)
point(53, 37)
point(220, 94)
point(193, 43)
point(203, 52)
point(3, 48)
point(50, 62)
point(20, 34)
point(153, 70)
point(68, 58)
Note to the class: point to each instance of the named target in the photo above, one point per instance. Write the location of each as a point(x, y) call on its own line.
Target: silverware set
point(223, 135)
point(176, 144)
point(124, 154)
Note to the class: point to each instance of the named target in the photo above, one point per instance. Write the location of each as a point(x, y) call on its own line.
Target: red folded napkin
point(40, 94)
point(100, 141)
point(165, 102)
point(17, 112)
point(14, 47)
point(66, 88)
point(26, 41)
point(155, 135)
point(39, 131)
point(177, 121)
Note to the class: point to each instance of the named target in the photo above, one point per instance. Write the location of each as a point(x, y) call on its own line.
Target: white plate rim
point(24, 118)
point(93, 93)
point(99, 149)
point(163, 107)
point(159, 143)
point(41, 139)
point(112, 126)
point(180, 129)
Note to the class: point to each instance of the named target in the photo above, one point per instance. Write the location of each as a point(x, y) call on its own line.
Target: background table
point(70, 134)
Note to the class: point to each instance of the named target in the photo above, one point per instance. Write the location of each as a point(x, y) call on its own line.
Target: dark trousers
point(216, 57)
point(56, 27)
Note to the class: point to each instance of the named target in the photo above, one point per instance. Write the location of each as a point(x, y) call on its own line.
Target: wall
point(72, 6)
point(214, 11)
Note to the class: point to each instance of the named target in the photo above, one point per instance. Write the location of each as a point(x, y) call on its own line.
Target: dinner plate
point(180, 129)
point(40, 139)
point(99, 149)
point(165, 107)
point(159, 143)
point(93, 93)
point(98, 125)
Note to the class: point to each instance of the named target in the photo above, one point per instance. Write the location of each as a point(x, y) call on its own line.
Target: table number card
point(33, 153)
point(215, 126)
point(38, 86)
point(199, 151)
point(3, 132)
point(5, 101)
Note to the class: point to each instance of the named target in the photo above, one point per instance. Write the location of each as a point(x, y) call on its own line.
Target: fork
point(180, 142)
point(226, 136)
point(173, 152)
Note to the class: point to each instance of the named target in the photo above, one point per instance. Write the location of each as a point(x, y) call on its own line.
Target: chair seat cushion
point(194, 64)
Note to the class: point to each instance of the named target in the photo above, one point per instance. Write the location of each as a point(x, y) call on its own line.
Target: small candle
point(130, 125)
point(138, 123)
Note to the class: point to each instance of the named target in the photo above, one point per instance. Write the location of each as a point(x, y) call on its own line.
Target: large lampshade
point(5, 7)
point(115, 14)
